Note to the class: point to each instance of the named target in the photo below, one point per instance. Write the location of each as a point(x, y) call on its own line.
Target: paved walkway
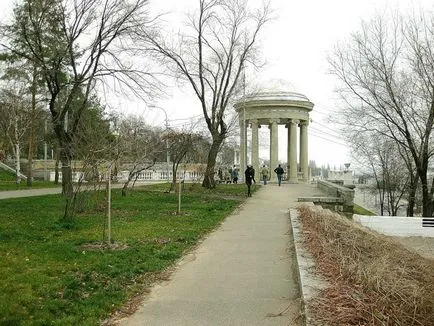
point(29, 192)
point(39, 192)
point(244, 273)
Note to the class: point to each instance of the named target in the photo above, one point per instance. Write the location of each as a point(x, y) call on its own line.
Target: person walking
point(220, 175)
point(228, 176)
point(264, 174)
point(279, 171)
point(235, 175)
point(250, 178)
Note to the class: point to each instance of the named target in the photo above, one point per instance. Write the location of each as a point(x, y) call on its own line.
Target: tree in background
point(75, 45)
point(26, 73)
point(93, 149)
point(183, 145)
point(315, 171)
point(137, 144)
point(387, 75)
point(388, 168)
point(210, 55)
point(15, 120)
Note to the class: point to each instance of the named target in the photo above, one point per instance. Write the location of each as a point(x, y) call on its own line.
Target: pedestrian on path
point(228, 176)
point(235, 175)
point(264, 173)
point(250, 178)
point(279, 171)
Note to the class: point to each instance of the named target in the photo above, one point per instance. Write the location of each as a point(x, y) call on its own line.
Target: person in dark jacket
point(250, 178)
point(235, 175)
point(265, 174)
point(279, 171)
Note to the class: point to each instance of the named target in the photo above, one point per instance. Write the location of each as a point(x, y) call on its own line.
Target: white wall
point(395, 225)
point(341, 175)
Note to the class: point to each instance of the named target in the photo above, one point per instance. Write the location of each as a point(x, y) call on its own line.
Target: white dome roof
point(276, 85)
point(276, 89)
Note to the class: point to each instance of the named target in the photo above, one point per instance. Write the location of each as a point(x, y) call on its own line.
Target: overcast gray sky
point(295, 46)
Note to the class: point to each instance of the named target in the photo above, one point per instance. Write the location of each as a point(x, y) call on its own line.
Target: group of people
point(265, 174)
point(228, 175)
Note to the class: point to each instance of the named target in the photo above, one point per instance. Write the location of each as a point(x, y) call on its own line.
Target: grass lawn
point(362, 211)
point(55, 273)
point(8, 182)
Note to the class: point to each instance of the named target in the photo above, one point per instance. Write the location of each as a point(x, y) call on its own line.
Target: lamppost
point(167, 140)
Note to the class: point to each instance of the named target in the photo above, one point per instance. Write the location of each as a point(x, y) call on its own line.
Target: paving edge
point(310, 282)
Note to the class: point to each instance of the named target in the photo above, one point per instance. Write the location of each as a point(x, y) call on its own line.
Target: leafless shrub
point(373, 280)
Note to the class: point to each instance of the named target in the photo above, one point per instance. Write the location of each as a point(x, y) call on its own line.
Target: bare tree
point(210, 55)
point(391, 176)
point(137, 147)
point(16, 121)
point(183, 145)
point(75, 44)
point(387, 72)
point(94, 150)
point(17, 71)
point(388, 164)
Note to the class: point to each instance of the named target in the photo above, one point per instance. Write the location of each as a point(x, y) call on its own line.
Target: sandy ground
point(423, 246)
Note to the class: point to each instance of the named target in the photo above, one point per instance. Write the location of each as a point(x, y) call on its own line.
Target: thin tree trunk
point(56, 167)
point(427, 202)
point(65, 155)
point(173, 183)
point(17, 163)
point(380, 189)
point(125, 188)
point(412, 196)
point(30, 156)
point(131, 175)
point(32, 131)
point(17, 151)
point(67, 187)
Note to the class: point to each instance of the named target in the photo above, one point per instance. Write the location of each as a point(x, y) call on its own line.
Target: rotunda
point(271, 106)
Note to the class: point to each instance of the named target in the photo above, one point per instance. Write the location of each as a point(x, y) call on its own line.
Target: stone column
point(243, 149)
point(255, 148)
point(293, 178)
point(274, 148)
point(304, 161)
point(236, 156)
point(288, 151)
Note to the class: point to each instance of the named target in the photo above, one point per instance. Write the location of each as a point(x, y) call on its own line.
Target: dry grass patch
point(373, 280)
